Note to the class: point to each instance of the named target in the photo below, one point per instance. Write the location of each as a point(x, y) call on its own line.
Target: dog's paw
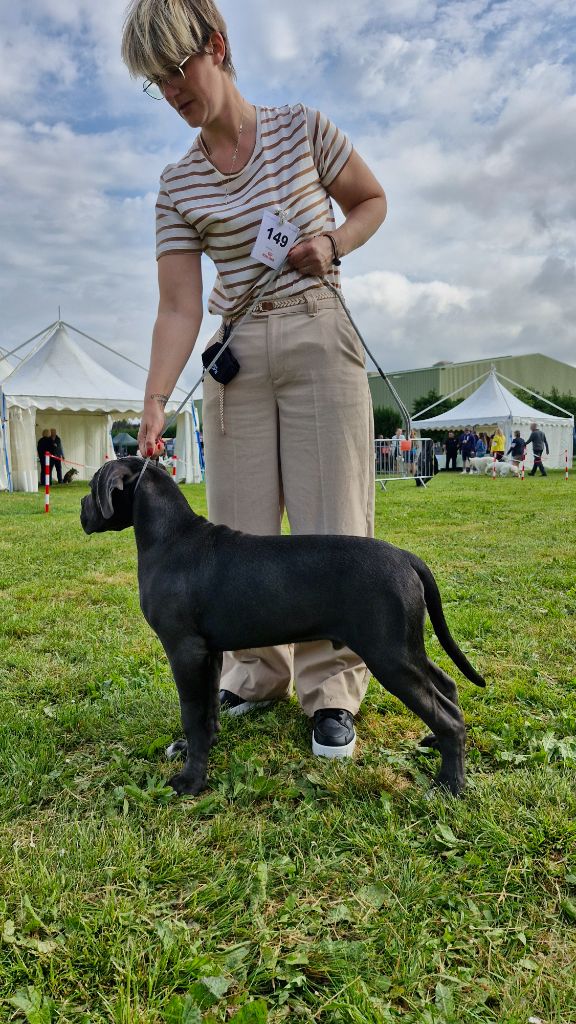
point(430, 741)
point(187, 785)
point(177, 749)
point(452, 784)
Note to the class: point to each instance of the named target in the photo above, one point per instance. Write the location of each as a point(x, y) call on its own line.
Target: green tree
point(125, 427)
point(566, 401)
point(386, 420)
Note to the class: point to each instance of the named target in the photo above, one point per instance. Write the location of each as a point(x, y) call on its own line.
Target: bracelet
point(336, 261)
point(161, 398)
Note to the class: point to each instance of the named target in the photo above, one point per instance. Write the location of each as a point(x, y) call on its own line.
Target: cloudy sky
point(464, 109)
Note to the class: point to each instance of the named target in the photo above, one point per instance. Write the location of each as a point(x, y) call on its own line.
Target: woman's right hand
point(151, 427)
point(175, 332)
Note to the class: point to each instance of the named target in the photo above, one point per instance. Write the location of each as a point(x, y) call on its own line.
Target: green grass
point(293, 889)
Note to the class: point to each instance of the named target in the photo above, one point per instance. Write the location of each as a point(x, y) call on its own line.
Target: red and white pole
point(46, 482)
point(566, 459)
point(523, 466)
point(174, 464)
point(494, 468)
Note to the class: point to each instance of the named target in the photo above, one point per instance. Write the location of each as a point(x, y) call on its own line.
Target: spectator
point(467, 445)
point(43, 447)
point(481, 447)
point(538, 441)
point(426, 463)
point(396, 450)
point(411, 455)
point(58, 451)
point(451, 446)
point(517, 448)
point(498, 445)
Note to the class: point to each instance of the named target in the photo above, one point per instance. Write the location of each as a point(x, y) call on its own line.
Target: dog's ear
point(111, 477)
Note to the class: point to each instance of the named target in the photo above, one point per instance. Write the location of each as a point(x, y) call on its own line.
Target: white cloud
point(398, 296)
point(465, 109)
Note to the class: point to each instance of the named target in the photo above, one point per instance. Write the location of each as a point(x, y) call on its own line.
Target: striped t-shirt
point(297, 154)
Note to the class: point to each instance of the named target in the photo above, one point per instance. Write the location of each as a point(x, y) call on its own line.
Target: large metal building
point(538, 372)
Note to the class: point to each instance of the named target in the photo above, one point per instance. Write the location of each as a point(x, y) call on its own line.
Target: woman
point(481, 448)
point(467, 445)
point(498, 445)
point(517, 449)
point(293, 429)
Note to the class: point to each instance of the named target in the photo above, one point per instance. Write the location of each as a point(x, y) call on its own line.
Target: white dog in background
point(504, 469)
point(485, 464)
point(480, 463)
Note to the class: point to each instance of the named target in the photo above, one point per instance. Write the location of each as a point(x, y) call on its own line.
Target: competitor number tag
point(275, 239)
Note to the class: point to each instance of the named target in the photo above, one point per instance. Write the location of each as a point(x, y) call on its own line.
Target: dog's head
point(109, 504)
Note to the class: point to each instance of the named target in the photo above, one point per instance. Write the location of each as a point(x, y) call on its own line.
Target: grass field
point(293, 889)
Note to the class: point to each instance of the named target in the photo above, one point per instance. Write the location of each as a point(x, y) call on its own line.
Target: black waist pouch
point(226, 366)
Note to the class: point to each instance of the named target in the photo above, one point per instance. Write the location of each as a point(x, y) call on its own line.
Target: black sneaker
point(333, 734)
point(232, 704)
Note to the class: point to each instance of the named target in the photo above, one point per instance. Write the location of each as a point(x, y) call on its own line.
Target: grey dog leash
point(393, 392)
point(406, 415)
point(272, 277)
point(174, 416)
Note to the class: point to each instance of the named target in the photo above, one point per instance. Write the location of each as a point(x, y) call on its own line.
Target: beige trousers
point(298, 435)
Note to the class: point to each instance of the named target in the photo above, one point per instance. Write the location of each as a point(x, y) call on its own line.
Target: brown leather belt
point(267, 305)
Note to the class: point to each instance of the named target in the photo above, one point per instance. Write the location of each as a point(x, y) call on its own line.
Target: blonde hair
point(159, 34)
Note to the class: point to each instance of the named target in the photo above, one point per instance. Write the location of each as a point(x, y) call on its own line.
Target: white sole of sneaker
point(176, 749)
point(243, 709)
point(321, 751)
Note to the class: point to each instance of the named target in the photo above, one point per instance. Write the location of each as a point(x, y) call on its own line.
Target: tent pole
point(197, 433)
point(33, 338)
point(5, 442)
point(112, 350)
point(451, 395)
point(535, 394)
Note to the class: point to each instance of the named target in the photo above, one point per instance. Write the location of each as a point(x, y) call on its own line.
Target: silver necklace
point(233, 164)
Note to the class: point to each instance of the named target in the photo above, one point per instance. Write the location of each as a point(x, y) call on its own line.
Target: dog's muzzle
point(87, 516)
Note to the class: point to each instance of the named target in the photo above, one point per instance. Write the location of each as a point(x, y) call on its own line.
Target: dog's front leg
point(196, 671)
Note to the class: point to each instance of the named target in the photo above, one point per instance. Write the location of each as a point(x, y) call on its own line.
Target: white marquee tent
point(59, 385)
point(492, 405)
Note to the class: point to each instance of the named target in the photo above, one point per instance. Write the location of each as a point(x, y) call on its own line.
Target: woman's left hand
point(312, 258)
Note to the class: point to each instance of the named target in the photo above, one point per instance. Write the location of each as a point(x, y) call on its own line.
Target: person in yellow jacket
point(498, 444)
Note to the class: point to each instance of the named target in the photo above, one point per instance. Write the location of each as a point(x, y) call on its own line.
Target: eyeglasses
point(154, 87)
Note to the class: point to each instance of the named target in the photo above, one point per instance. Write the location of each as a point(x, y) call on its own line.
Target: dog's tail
point(440, 626)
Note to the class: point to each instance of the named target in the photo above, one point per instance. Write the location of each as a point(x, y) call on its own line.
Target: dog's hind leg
point(196, 671)
point(411, 683)
point(448, 687)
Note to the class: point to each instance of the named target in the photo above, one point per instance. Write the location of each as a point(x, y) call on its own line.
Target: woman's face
point(197, 94)
point(194, 95)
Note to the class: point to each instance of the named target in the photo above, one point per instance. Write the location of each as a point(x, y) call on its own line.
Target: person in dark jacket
point(481, 448)
point(58, 451)
point(467, 443)
point(538, 441)
point(426, 462)
point(44, 446)
point(451, 446)
point(517, 448)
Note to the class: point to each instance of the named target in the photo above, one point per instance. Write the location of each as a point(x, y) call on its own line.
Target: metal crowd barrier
point(399, 458)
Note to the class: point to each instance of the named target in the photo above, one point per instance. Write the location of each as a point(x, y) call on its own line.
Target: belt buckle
point(266, 306)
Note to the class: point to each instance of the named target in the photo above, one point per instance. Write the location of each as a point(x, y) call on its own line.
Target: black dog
point(205, 589)
point(69, 476)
